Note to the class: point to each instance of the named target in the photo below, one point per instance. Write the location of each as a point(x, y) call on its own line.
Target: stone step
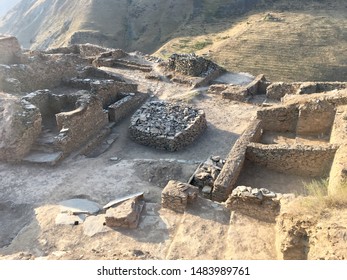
point(45, 158)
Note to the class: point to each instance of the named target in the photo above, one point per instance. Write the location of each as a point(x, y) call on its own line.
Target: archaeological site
point(108, 154)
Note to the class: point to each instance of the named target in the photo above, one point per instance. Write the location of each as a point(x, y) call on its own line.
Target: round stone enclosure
point(166, 126)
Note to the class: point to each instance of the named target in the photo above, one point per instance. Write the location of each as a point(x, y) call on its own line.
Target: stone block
point(177, 195)
point(125, 215)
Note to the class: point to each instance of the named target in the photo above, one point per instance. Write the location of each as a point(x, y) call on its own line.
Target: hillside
point(286, 40)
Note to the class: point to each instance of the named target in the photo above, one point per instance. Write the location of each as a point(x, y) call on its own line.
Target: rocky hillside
point(286, 40)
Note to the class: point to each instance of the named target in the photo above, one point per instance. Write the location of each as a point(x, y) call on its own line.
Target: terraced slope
point(291, 45)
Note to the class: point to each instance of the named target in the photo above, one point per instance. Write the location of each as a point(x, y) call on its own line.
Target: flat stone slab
point(94, 225)
point(121, 199)
point(79, 206)
point(44, 158)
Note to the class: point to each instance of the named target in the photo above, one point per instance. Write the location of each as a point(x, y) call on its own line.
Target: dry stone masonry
point(177, 195)
point(166, 126)
point(260, 204)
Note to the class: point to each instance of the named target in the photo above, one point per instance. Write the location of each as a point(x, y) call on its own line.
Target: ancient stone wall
point(338, 172)
point(20, 125)
point(315, 117)
point(125, 106)
point(49, 103)
point(192, 65)
point(80, 124)
point(231, 170)
point(280, 118)
point(10, 50)
point(177, 195)
point(314, 161)
point(144, 126)
point(42, 71)
point(339, 127)
point(261, 204)
point(279, 89)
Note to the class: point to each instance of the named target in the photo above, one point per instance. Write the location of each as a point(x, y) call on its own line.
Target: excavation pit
point(166, 126)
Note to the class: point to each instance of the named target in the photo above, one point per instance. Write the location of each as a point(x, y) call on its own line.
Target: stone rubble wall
point(242, 93)
point(231, 170)
point(260, 204)
point(122, 108)
point(339, 128)
point(279, 89)
point(338, 172)
point(10, 50)
point(176, 195)
point(314, 161)
point(109, 91)
point(81, 124)
point(20, 125)
point(147, 134)
point(280, 118)
point(50, 103)
point(41, 71)
point(315, 117)
point(192, 65)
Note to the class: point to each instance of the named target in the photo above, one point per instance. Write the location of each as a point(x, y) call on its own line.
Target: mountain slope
point(286, 40)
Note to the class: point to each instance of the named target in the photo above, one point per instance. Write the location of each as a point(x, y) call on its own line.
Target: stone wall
point(315, 117)
point(177, 195)
point(149, 134)
point(280, 118)
point(243, 93)
point(314, 161)
point(192, 65)
point(10, 50)
point(279, 89)
point(80, 124)
point(125, 106)
point(338, 172)
point(231, 170)
point(260, 204)
point(339, 127)
point(20, 125)
point(42, 71)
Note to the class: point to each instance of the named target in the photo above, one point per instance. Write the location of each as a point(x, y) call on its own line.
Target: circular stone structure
point(166, 126)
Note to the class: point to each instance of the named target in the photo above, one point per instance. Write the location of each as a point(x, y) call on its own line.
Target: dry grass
point(318, 200)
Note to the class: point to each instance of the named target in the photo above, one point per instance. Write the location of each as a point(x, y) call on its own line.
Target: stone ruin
point(10, 51)
point(166, 126)
point(203, 70)
point(176, 195)
point(261, 204)
point(56, 101)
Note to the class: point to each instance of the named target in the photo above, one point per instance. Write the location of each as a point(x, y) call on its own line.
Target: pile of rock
point(206, 174)
point(260, 204)
point(166, 125)
point(192, 65)
point(177, 195)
